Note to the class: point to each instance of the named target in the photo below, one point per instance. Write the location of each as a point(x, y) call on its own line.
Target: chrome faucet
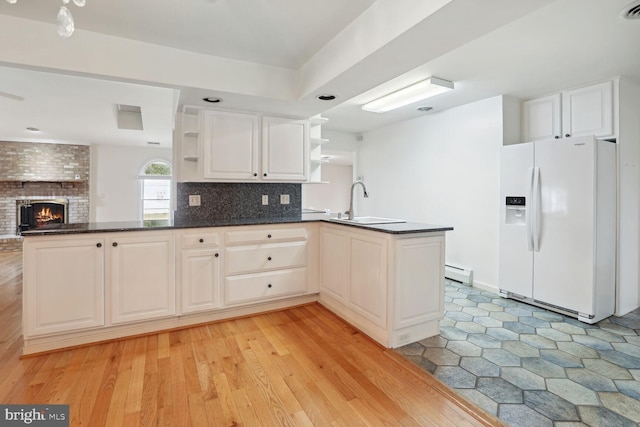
point(353, 186)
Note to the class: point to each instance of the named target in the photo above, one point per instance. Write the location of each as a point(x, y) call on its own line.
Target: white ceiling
point(356, 49)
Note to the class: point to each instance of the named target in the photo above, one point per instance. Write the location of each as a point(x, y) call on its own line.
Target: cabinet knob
point(255, 174)
point(201, 240)
point(556, 137)
point(567, 135)
point(264, 174)
point(268, 258)
point(269, 285)
point(99, 245)
point(217, 255)
point(268, 236)
point(114, 244)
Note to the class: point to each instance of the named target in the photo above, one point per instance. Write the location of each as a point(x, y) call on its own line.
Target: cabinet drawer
point(199, 240)
point(247, 259)
point(266, 235)
point(251, 287)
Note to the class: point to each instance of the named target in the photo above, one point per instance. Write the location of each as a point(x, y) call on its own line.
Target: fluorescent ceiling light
point(422, 90)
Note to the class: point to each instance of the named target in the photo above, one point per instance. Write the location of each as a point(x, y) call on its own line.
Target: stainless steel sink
point(369, 220)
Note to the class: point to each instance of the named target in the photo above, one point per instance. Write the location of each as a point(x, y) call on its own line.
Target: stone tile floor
point(533, 367)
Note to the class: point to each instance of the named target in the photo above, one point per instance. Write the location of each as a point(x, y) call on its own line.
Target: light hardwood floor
point(298, 367)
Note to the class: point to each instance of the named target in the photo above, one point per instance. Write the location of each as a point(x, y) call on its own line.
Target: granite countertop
point(105, 227)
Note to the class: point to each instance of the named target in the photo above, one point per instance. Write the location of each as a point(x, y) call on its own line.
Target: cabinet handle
point(114, 244)
point(217, 255)
point(264, 174)
point(268, 258)
point(567, 135)
point(201, 240)
point(269, 285)
point(99, 245)
point(556, 137)
point(268, 236)
point(255, 174)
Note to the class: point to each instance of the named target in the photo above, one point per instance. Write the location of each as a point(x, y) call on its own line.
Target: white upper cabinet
point(542, 118)
point(239, 147)
point(230, 146)
point(284, 149)
point(579, 112)
point(588, 111)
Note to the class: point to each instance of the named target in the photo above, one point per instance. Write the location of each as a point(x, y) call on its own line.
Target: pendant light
point(64, 20)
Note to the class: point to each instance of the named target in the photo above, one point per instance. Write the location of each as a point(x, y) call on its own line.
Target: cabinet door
point(541, 118)
point(63, 286)
point(419, 281)
point(200, 279)
point(368, 277)
point(284, 149)
point(230, 146)
point(588, 111)
point(334, 264)
point(142, 277)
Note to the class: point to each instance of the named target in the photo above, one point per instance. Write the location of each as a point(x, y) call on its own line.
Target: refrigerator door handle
point(537, 205)
point(529, 212)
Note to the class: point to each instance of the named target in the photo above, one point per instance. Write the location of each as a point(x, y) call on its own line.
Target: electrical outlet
point(284, 199)
point(265, 199)
point(194, 200)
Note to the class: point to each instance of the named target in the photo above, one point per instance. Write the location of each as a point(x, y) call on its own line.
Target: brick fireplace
point(42, 172)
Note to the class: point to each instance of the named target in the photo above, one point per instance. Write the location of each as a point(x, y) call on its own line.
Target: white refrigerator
point(558, 226)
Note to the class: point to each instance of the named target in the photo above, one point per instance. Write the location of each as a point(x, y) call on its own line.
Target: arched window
point(156, 190)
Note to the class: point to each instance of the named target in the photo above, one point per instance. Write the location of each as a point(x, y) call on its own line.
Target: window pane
point(156, 199)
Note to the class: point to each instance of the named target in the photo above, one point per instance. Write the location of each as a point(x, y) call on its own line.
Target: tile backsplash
point(220, 201)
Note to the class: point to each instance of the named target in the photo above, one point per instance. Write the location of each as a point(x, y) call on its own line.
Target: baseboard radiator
point(459, 274)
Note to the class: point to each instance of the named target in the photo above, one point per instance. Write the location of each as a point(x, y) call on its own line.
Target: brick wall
point(28, 161)
point(43, 171)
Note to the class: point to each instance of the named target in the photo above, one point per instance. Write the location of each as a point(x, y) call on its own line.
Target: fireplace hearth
point(39, 213)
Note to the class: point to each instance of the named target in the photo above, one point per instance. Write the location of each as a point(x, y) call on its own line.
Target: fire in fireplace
point(39, 213)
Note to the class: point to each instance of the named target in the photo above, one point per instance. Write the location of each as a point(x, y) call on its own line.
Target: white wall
point(335, 194)
point(443, 168)
point(628, 295)
point(115, 188)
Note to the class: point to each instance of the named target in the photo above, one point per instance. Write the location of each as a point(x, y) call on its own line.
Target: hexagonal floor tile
point(607, 369)
point(523, 378)
point(561, 358)
point(441, 356)
point(552, 406)
point(577, 350)
point(591, 380)
point(543, 368)
point(501, 357)
point(592, 342)
point(520, 348)
point(455, 376)
point(522, 416)
point(464, 348)
point(499, 390)
point(480, 366)
point(484, 341)
point(600, 416)
point(572, 391)
point(621, 404)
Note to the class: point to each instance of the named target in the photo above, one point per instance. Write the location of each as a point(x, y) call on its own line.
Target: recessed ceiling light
point(424, 108)
point(32, 129)
point(326, 97)
point(212, 99)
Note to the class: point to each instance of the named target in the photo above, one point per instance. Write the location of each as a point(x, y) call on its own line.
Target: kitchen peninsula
point(87, 283)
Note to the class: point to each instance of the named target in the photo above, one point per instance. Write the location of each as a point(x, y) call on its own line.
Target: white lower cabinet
point(85, 288)
point(419, 281)
point(264, 263)
point(142, 276)
point(63, 285)
point(200, 271)
point(260, 286)
point(390, 286)
point(368, 277)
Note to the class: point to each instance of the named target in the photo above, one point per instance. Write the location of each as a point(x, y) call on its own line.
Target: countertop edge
point(88, 228)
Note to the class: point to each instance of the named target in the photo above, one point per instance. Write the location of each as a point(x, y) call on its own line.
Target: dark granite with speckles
point(222, 201)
